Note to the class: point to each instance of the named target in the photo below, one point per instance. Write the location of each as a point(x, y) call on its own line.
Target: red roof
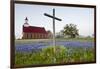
point(33, 29)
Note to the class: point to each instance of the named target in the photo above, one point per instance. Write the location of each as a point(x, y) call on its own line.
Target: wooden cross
point(54, 18)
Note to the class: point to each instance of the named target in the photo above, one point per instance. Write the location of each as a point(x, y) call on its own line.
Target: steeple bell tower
point(26, 22)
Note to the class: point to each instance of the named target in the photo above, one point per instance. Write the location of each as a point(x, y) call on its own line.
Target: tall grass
point(61, 55)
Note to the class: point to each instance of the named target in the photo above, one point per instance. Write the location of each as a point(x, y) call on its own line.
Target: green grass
point(25, 41)
point(61, 54)
point(76, 39)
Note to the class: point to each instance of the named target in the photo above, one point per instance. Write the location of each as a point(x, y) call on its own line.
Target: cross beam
point(54, 18)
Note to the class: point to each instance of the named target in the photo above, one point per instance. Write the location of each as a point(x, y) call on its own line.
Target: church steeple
point(26, 22)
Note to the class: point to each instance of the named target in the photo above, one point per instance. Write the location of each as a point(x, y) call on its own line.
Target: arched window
point(26, 35)
point(38, 35)
point(30, 35)
point(35, 35)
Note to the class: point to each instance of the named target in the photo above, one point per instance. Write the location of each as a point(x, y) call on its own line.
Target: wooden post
point(54, 40)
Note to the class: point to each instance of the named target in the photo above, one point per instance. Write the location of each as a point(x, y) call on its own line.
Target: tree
point(70, 30)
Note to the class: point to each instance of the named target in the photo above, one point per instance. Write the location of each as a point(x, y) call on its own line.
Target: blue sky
point(82, 17)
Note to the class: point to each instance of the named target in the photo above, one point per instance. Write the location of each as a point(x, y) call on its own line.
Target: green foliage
point(61, 54)
point(71, 30)
point(58, 54)
point(82, 55)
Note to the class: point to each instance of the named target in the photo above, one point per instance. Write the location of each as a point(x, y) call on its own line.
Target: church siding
point(35, 36)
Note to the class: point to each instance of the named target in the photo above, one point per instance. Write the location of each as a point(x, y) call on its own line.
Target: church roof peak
point(26, 18)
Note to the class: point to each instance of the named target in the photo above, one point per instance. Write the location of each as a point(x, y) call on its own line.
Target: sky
point(82, 17)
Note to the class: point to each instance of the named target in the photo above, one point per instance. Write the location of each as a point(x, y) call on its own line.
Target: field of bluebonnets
point(41, 51)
